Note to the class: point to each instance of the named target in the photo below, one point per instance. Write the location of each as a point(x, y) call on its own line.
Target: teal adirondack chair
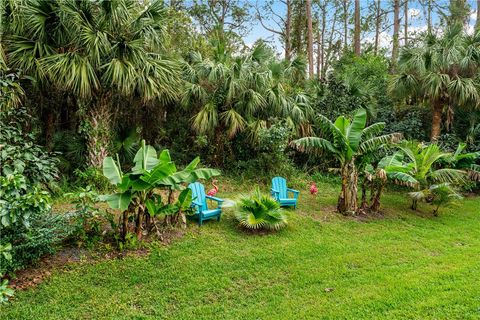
point(200, 203)
point(280, 193)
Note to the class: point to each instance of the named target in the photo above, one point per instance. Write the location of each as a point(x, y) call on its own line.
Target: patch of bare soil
point(367, 215)
point(63, 259)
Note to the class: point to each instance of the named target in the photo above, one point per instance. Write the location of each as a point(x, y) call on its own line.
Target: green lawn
point(405, 265)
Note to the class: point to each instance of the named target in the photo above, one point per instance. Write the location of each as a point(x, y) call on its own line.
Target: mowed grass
point(404, 265)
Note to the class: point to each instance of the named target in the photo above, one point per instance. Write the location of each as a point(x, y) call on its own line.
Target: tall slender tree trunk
point(329, 46)
point(396, 29)
point(356, 36)
point(322, 45)
point(347, 201)
point(429, 16)
point(345, 25)
point(405, 22)
point(437, 110)
point(377, 26)
point(288, 31)
point(477, 22)
point(309, 38)
point(319, 54)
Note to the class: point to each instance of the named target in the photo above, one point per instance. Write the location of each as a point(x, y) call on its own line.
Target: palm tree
point(347, 141)
point(236, 94)
point(94, 50)
point(441, 72)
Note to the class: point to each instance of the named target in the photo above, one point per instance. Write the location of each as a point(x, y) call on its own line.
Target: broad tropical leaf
point(112, 171)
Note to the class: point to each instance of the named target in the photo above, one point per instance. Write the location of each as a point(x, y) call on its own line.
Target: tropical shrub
point(137, 191)
point(260, 211)
point(420, 167)
point(442, 194)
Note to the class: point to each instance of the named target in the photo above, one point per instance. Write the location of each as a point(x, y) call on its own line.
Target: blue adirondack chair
point(280, 193)
point(200, 203)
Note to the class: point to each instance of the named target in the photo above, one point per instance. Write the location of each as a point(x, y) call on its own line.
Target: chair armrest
point(295, 192)
point(214, 199)
point(195, 203)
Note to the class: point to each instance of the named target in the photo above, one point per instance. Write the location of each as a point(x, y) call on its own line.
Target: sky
point(417, 21)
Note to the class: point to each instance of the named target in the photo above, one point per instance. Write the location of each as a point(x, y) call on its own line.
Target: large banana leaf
point(185, 199)
point(112, 171)
point(355, 129)
point(145, 159)
point(183, 176)
point(192, 165)
point(118, 200)
point(394, 160)
point(161, 171)
point(342, 124)
point(403, 179)
point(164, 156)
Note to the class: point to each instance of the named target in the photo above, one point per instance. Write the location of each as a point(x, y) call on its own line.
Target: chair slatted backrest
point(280, 184)
point(198, 194)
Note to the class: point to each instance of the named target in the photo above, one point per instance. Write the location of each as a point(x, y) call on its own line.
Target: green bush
point(260, 211)
point(26, 223)
point(87, 220)
point(20, 155)
point(269, 156)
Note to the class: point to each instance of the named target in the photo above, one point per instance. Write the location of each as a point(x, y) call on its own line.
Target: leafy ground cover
point(398, 265)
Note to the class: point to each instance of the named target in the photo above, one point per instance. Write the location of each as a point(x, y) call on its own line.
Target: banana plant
point(347, 141)
point(136, 190)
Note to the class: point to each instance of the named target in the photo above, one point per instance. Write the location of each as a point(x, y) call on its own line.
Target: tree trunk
point(405, 22)
point(124, 225)
point(364, 203)
point(396, 28)
point(477, 22)
point(377, 26)
point(329, 46)
point(345, 25)
point(139, 222)
point(288, 31)
point(98, 134)
point(429, 16)
point(437, 110)
point(378, 195)
point(309, 39)
point(322, 44)
point(356, 35)
point(347, 201)
point(319, 55)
